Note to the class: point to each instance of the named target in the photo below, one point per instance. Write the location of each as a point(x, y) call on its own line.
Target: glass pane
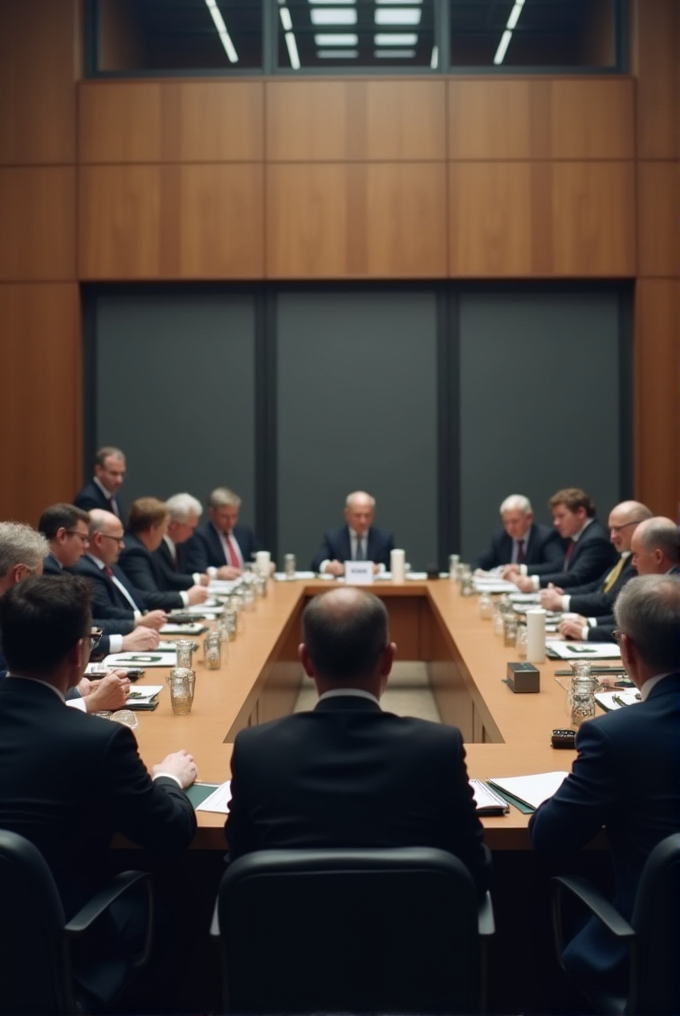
point(179, 35)
point(533, 33)
point(322, 34)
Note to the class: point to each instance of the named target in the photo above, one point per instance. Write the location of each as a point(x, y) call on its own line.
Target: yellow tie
point(613, 575)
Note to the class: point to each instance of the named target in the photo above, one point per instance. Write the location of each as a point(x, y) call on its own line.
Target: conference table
point(506, 734)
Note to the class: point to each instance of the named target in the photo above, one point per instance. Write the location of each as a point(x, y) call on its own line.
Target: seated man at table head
point(357, 540)
point(627, 772)
point(184, 512)
point(593, 601)
point(66, 529)
point(147, 525)
point(521, 541)
point(348, 774)
point(222, 545)
point(588, 550)
point(101, 490)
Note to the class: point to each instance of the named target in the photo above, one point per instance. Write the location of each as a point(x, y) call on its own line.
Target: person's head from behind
point(517, 516)
point(148, 521)
point(21, 553)
point(45, 627)
point(647, 612)
point(346, 641)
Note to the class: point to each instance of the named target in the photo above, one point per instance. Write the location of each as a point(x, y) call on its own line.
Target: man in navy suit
point(358, 540)
point(627, 773)
point(521, 540)
point(588, 550)
point(171, 555)
point(222, 546)
point(101, 491)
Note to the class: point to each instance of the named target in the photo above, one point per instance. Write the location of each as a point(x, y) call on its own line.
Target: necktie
point(360, 549)
point(567, 556)
point(109, 571)
point(613, 575)
point(520, 552)
point(234, 559)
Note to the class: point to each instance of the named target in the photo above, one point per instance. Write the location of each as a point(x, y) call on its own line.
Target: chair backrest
point(656, 920)
point(33, 978)
point(350, 930)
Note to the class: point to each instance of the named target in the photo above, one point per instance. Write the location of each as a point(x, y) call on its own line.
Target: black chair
point(35, 940)
point(652, 938)
point(396, 930)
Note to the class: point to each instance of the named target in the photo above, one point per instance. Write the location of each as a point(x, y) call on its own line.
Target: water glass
point(521, 642)
point(289, 566)
point(182, 681)
point(509, 630)
point(485, 606)
point(212, 651)
point(185, 651)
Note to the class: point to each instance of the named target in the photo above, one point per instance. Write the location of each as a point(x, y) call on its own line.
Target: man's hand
point(109, 693)
point(510, 571)
point(573, 628)
point(154, 619)
point(227, 573)
point(335, 568)
point(197, 594)
point(205, 579)
point(141, 640)
point(179, 764)
point(523, 583)
point(551, 598)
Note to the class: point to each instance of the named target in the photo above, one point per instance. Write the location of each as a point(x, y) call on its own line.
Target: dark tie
point(108, 570)
point(360, 549)
point(569, 552)
point(520, 552)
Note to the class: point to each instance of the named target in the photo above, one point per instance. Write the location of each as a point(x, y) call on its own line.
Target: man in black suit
point(348, 774)
point(101, 491)
point(521, 541)
point(147, 525)
point(68, 782)
point(171, 555)
point(222, 545)
point(627, 773)
point(358, 540)
point(588, 550)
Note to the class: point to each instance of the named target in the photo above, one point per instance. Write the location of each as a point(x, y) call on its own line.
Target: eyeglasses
point(617, 529)
point(95, 638)
point(83, 537)
point(117, 539)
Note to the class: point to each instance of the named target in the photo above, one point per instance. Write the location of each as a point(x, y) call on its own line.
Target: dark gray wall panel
point(175, 390)
point(539, 403)
point(356, 398)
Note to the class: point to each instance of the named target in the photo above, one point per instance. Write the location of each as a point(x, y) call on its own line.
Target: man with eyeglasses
point(627, 773)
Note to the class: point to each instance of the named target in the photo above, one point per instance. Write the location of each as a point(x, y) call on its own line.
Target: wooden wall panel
point(333, 121)
point(171, 121)
point(657, 394)
point(541, 219)
point(541, 118)
point(39, 55)
point(171, 222)
point(38, 217)
point(357, 220)
point(40, 446)
point(658, 211)
point(656, 59)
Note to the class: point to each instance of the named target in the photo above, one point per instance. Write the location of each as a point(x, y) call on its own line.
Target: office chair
point(396, 930)
point(35, 939)
point(652, 938)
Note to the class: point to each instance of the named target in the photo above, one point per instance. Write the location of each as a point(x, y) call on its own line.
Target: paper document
point(530, 790)
point(280, 576)
point(222, 587)
point(493, 585)
point(610, 700)
point(486, 801)
point(517, 597)
point(145, 692)
point(142, 660)
point(416, 576)
point(218, 800)
point(585, 650)
point(209, 609)
point(183, 629)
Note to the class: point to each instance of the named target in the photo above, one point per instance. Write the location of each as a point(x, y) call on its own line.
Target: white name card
point(359, 573)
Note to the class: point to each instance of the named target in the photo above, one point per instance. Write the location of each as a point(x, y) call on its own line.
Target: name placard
point(359, 573)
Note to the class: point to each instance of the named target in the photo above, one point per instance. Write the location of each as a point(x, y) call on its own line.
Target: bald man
point(357, 540)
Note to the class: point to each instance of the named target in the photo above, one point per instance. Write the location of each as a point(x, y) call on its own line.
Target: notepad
point(487, 802)
point(218, 801)
point(610, 700)
point(584, 650)
point(530, 790)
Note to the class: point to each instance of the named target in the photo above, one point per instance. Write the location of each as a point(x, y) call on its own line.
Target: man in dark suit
point(171, 555)
point(588, 550)
point(221, 546)
point(358, 540)
point(348, 774)
point(521, 541)
point(147, 525)
point(101, 490)
point(68, 781)
point(627, 773)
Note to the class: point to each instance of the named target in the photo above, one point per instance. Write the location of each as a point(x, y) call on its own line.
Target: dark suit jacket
point(90, 496)
point(350, 775)
point(109, 602)
point(52, 567)
point(204, 549)
point(69, 781)
point(590, 600)
point(592, 554)
point(143, 572)
point(172, 577)
point(545, 547)
point(336, 546)
point(627, 778)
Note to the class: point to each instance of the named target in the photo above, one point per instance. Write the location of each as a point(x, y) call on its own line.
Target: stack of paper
point(530, 790)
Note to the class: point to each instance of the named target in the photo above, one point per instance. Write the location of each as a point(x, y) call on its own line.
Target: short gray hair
point(108, 452)
point(647, 610)
point(221, 496)
point(20, 544)
point(661, 534)
point(359, 493)
point(183, 506)
point(516, 502)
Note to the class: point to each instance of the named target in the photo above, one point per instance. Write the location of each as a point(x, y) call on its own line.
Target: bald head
point(623, 520)
point(106, 536)
point(345, 633)
point(656, 546)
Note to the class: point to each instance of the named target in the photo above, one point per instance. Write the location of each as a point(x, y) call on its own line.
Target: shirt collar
point(107, 494)
point(56, 560)
point(95, 560)
point(348, 692)
point(577, 536)
point(651, 683)
point(170, 544)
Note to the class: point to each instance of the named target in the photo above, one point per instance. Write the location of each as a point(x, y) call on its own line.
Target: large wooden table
point(506, 734)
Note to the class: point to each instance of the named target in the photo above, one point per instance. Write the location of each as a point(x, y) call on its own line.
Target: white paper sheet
point(531, 790)
point(585, 650)
point(218, 800)
point(143, 660)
